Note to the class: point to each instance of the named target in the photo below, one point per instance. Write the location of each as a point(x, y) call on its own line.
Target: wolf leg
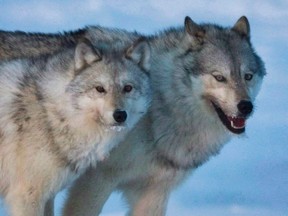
point(148, 200)
point(88, 194)
point(149, 196)
point(23, 201)
point(49, 207)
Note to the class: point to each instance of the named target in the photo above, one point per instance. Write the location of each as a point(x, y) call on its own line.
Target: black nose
point(120, 116)
point(245, 107)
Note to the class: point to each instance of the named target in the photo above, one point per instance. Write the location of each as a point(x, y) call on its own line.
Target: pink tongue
point(237, 122)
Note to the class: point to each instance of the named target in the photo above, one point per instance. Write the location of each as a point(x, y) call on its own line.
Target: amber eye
point(100, 89)
point(248, 76)
point(127, 88)
point(220, 78)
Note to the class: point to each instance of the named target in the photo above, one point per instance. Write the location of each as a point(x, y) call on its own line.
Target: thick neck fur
point(183, 130)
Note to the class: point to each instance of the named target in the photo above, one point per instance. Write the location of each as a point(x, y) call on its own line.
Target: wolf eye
point(248, 76)
point(100, 89)
point(220, 78)
point(127, 88)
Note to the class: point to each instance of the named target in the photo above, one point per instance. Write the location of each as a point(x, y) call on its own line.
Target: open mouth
point(234, 124)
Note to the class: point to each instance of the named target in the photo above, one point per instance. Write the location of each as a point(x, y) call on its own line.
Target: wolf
point(61, 113)
point(204, 79)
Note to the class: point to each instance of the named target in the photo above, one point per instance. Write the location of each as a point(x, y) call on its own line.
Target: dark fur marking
point(188, 52)
point(19, 114)
point(167, 162)
point(170, 163)
point(1, 134)
point(27, 119)
point(188, 70)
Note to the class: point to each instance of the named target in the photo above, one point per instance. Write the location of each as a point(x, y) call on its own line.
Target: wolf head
point(225, 71)
point(111, 85)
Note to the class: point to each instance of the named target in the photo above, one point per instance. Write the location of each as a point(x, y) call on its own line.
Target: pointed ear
point(194, 30)
point(85, 54)
point(242, 27)
point(139, 52)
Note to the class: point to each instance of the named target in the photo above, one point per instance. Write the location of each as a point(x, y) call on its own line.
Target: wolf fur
point(205, 79)
point(22, 44)
point(61, 113)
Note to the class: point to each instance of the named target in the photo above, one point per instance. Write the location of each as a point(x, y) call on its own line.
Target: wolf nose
point(120, 116)
point(245, 107)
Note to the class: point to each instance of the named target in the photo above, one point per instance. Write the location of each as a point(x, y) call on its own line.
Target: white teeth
point(234, 126)
point(117, 128)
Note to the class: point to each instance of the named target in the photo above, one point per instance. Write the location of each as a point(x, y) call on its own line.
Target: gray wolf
point(205, 79)
point(61, 113)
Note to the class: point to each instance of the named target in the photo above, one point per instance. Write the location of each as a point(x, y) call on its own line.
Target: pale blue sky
point(250, 176)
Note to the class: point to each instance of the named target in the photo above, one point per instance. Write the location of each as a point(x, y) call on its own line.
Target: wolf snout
point(245, 107)
point(120, 116)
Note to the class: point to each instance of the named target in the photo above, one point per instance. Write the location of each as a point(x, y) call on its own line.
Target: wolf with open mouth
point(205, 79)
point(230, 78)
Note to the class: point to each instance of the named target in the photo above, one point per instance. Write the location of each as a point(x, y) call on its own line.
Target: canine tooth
point(232, 125)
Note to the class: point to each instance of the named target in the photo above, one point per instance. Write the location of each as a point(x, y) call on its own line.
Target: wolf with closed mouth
point(62, 113)
point(205, 79)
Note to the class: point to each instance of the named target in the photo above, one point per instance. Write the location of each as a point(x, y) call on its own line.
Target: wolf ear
point(242, 27)
point(85, 54)
point(194, 30)
point(139, 52)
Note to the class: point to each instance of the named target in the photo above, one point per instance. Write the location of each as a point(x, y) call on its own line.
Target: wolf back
point(22, 44)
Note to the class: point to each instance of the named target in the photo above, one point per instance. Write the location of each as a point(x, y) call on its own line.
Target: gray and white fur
point(205, 79)
point(61, 113)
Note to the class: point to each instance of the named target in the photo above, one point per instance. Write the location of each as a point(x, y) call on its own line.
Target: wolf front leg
point(49, 207)
point(149, 200)
point(149, 196)
point(24, 201)
point(89, 193)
